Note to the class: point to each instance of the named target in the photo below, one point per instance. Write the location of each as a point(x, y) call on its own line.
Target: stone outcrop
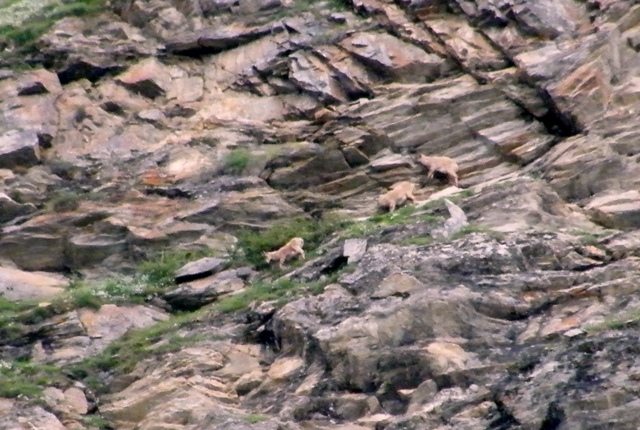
point(20, 285)
point(84, 333)
point(19, 149)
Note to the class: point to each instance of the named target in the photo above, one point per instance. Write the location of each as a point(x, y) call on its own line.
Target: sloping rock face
point(182, 125)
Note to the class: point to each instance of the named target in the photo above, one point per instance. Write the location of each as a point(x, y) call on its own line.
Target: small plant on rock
point(122, 355)
point(237, 160)
point(160, 270)
point(23, 35)
point(282, 291)
point(64, 201)
point(377, 222)
point(63, 168)
point(96, 421)
point(418, 241)
point(589, 239)
point(472, 228)
point(260, 291)
point(26, 379)
point(254, 418)
point(86, 297)
point(626, 319)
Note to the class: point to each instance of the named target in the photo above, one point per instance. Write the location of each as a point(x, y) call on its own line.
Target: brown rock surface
point(85, 332)
point(20, 285)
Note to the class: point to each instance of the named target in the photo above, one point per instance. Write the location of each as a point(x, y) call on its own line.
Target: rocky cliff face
point(167, 132)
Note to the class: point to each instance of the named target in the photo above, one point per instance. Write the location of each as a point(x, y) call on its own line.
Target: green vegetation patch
point(13, 307)
point(236, 161)
point(473, 228)
point(260, 291)
point(418, 241)
point(628, 318)
point(15, 314)
point(587, 237)
point(282, 291)
point(159, 270)
point(154, 277)
point(300, 6)
point(164, 337)
point(63, 168)
point(27, 379)
point(253, 243)
point(403, 216)
point(296, 8)
point(122, 355)
point(64, 201)
point(254, 418)
point(96, 421)
point(68, 201)
point(22, 30)
point(7, 5)
point(82, 294)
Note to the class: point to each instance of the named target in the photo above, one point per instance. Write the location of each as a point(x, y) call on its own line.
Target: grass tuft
point(281, 291)
point(260, 291)
point(159, 271)
point(26, 379)
point(236, 161)
point(63, 201)
point(418, 241)
point(472, 228)
point(627, 319)
point(587, 237)
point(254, 418)
point(121, 356)
point(23, 33)
point(96, 421)
point(155, 277)
point(404, 215)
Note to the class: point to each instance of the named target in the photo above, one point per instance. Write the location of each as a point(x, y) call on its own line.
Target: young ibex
point(289, 250)
point(443, 165)
point(400, 192)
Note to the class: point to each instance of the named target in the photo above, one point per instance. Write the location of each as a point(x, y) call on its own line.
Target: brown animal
point(289, 250)
point(443, 165)
point(400, 192)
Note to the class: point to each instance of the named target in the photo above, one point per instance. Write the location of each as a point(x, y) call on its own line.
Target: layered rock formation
point(169, 125)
